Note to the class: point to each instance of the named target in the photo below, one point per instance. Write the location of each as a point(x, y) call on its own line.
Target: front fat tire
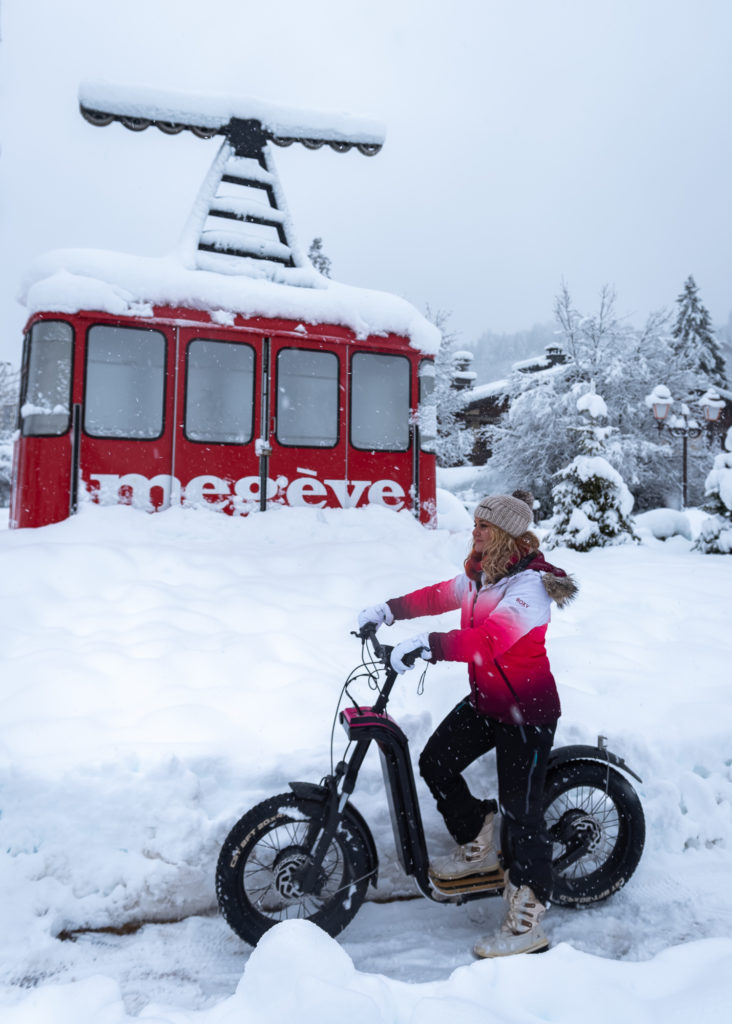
point(254, 886)
point(591, 795)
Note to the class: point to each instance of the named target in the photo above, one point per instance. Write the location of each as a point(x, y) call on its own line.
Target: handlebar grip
point(410, 658)
point(367, 631)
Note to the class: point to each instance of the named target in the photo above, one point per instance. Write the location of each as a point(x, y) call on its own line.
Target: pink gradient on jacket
point(502, 627)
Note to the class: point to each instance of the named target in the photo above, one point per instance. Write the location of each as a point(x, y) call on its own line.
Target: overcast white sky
point(527, 141)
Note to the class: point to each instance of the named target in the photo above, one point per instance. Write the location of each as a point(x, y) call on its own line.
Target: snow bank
point(451, 512)
point(664, 523)
point(323, 987)
point(161, 674)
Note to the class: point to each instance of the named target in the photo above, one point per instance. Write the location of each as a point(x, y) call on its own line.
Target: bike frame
point(364, 726)
point(367, 725)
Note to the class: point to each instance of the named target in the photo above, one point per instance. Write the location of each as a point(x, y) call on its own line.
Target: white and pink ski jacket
point(501, 637)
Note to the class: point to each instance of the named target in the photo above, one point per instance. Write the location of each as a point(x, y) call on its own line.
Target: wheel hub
point(288, 869)
point(579, 831)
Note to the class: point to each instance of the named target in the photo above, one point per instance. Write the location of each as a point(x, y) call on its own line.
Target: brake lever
point(368, 632)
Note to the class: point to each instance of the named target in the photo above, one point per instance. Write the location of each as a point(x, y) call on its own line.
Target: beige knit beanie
point(506, 511)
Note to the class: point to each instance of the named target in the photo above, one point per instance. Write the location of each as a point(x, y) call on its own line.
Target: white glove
point(378, 614)
point(418, 645)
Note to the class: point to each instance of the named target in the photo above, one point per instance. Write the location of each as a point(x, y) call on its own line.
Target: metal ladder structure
point(242, 224)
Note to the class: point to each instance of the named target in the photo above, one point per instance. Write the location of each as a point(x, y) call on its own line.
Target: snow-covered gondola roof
point(238, 254)
point(71, 280)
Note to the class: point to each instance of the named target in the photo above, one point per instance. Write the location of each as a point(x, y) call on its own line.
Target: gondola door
point(304, 430)
point(217, 452)
point(125, 452)
point(260, 421)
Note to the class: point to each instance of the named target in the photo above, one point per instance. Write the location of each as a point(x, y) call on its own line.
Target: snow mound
point(451, 512)
point(663, 523)
point(323, 987)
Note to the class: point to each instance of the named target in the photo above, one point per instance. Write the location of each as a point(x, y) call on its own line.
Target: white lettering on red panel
point(213, 492)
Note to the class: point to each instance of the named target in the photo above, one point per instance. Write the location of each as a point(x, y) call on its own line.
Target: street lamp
point(682, 424)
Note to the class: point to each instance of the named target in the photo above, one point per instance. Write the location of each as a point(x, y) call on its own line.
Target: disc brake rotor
point(287, 870)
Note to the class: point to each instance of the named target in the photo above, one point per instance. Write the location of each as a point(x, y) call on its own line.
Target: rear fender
point(580, 752)
point(311, 791)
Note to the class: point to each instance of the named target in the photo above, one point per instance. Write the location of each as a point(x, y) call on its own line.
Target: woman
point(505, 597)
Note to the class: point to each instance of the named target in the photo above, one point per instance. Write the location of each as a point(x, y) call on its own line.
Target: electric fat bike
point(310, 854)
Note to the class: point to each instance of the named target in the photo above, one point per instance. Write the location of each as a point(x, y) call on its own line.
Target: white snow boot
point(521, 932)
point(457, 871)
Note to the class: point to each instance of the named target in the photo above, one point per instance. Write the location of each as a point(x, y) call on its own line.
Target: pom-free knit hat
point(507, 512)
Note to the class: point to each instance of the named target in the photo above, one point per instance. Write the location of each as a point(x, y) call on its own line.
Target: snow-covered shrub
point(592, 506)
point(592, 503)
point(715, 536)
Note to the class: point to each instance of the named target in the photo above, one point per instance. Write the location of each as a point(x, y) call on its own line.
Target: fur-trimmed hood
point(561, 589)
point(559, 585)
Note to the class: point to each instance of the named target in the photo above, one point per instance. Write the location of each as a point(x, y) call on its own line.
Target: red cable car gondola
point(232, 376)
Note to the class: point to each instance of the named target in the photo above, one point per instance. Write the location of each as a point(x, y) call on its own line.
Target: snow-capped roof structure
point(493, 389)
point(172, 112)
point(554, 355)
point(238, 254)
point(71, 280)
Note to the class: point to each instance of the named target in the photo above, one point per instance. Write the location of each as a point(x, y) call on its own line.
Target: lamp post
point(682, 424)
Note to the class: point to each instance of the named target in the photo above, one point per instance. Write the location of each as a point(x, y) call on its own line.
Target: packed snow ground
point(161, 674)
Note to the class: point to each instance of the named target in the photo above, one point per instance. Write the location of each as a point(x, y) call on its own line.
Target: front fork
point(339, 788)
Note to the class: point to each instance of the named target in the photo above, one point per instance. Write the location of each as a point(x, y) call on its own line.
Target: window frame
point(236, 344)
point(351, 376)
point(164, 395)
point(25, 376)
point(337, 379)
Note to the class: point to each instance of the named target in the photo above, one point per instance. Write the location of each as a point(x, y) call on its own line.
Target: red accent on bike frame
point(353, 718)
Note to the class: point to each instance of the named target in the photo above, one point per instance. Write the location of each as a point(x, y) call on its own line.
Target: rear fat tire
point(591, 801)
point(254, 883)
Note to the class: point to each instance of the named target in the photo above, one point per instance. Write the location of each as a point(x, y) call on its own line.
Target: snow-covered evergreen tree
point(531, 443)
point(592, 504)
point(695, 345)
point(317, 257)
point(6, 465)
point(8, 411)
point(715, 536)
point(454, 440)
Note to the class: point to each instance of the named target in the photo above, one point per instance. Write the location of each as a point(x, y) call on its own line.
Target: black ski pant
point(522, 753)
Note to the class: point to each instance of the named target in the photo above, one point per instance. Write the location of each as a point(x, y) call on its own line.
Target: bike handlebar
point(368, 632)
point(383, 652)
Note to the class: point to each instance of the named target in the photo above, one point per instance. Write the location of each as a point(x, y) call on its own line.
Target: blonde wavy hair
point(502, 551)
